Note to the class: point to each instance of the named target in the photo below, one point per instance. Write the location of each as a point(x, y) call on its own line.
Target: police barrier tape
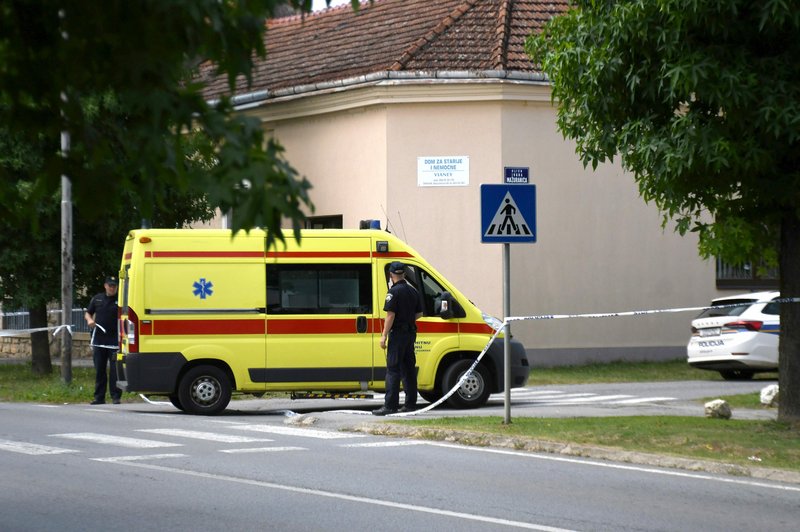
point(512, 319)
point(500, 329)
point(56, 330)
point(22, 332)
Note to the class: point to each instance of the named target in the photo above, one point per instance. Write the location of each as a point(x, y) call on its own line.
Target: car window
point(773, 309)
point(731, 307)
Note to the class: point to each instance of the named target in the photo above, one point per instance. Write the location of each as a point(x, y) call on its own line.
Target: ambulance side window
point(428, 287)
point(319, 289)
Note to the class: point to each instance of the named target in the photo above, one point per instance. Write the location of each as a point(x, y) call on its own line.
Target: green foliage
point(64, 63)
point(701, 102)
point(30, 269)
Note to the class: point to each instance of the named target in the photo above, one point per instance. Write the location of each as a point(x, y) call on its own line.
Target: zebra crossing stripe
point(305, 433)
point(557, 396)
point(121, 441)
point(594, 399)
point(545, 398)
point(32, 449)
point(139, 458)
point(206, 436)
point(262, 450)
point(637, 400)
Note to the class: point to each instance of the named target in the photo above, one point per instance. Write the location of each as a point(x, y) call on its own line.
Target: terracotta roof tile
point(394, 35)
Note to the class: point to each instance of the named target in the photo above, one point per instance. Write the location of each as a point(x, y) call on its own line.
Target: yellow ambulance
point(204, 314)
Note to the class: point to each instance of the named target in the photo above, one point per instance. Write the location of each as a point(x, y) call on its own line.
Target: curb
point(478, 439)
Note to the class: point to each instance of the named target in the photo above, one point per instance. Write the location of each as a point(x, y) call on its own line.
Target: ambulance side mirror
point(445, 305)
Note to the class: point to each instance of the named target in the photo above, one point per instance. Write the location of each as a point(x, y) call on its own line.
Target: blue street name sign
point(508, 214)
point(516, 175)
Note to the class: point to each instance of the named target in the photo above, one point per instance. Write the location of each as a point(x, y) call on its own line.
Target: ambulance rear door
point(205, 299)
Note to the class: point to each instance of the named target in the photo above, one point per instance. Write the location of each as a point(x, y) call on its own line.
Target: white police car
point(738, 336)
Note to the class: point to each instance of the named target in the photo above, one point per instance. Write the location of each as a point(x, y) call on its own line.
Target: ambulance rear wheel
point(204, 390)
point(474, 391)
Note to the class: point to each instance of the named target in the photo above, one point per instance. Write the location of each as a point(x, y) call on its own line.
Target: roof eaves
point(255, 99)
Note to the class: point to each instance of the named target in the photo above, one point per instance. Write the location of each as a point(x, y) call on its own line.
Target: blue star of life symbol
point(203, 288)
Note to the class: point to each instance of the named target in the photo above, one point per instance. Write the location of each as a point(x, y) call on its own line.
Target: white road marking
point(292, 431)
point(612, 465)
point(593, 399)
point(117, 459)
point(637, 400)
point(344, 497)
point(551, 395)
point(262, 450)
point(585, 398)
point(31, 448)
point(558, 398)
point(206, 436)
point(398, 443)
point(107, 439)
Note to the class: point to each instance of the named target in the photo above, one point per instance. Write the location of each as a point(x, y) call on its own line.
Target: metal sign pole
point(508, 216)
point(507, 337)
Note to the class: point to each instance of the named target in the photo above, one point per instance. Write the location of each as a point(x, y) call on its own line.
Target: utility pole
point(66, 247)
point(66, 267)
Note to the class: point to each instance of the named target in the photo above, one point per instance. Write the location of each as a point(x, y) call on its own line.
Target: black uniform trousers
point(102, 357)
point(401, 365)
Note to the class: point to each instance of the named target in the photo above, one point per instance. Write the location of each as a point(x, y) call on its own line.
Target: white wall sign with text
point(443, 171)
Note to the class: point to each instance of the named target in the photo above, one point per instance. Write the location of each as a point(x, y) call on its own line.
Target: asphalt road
point(149, 467)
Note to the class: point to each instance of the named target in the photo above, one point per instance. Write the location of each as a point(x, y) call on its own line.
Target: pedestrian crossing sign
point(508, 213)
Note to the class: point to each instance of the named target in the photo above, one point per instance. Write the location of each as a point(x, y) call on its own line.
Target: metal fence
point(746, 275)
point(19, 320)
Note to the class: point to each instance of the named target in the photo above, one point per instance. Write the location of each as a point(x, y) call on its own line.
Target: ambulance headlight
point(491, 321)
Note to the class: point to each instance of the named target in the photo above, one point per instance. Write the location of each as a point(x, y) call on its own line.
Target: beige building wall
point(599, 247)
point(343, 155)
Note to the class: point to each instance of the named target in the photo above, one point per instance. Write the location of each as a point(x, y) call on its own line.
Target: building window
point(324, 222)
point(746, 276)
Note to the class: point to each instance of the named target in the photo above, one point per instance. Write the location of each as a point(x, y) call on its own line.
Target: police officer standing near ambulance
point(403, 308)
point(101, 316)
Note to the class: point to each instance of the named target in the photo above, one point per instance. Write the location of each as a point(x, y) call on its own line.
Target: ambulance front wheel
point(204, 390)
point(175, 400)
point(431, 396)
point(474, 391)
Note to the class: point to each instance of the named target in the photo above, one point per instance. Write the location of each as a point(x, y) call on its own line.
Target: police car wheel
point(473, 392)
point(204, 390)
point(737, 375)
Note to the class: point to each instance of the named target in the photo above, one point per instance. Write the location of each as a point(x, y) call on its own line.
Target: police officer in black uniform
point(101, 316)
point(403, 308)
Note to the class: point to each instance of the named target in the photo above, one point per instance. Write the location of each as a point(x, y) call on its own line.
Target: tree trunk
point(40, 341)
point(789, 352)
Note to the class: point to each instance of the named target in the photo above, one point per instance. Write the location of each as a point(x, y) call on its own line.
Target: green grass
point(747, 400)
point(18, 383)
point(743, 442)
point(673, 370)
